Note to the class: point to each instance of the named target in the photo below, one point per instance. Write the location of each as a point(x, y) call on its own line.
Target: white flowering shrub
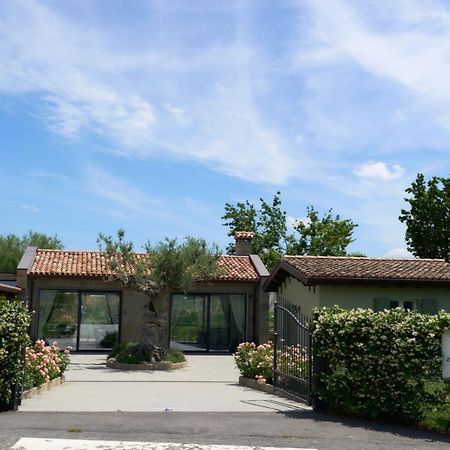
point(14, 322)
point(379, 363)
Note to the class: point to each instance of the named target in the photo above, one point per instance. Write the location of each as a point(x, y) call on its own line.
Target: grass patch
point(174, 356)
point(133, 353)
point(74, 430)
point(438, 418)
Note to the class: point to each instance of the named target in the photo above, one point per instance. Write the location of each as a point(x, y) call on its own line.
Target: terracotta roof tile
point(352, 268)
point(244, 234)
point(238, 268)
point(93, 265)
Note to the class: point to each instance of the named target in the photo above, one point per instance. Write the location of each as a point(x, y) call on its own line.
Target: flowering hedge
point(44, 363)
point(380, 363)
point(14, 322)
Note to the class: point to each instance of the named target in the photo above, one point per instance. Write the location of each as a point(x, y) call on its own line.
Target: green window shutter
point(428, 306)
point(380, 304)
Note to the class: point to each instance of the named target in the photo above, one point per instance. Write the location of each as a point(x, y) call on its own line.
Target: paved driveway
point(209, 383)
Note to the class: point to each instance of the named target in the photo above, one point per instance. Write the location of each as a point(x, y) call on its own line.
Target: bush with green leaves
point(255, 361)
point(380, 363)
point(138, 353)
point(14, 322)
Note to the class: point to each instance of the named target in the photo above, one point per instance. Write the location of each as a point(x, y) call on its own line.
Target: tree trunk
point(154, 325)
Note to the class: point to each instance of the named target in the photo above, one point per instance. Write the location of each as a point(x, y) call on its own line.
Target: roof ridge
point(56, 250)
point(364, 258)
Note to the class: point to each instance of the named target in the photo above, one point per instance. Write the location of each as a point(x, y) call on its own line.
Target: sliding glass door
point(82, 320)
point(58, 317)
point(99, 320)
point(189, 322)
point(207, 322)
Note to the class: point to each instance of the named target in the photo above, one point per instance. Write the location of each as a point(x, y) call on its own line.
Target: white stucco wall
point(305, 297)
point(350, 297)
point(363, 297)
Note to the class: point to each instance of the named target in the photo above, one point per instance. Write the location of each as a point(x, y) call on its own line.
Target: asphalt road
point(284, 429)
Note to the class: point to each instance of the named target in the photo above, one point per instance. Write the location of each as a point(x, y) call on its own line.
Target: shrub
point(136, 353)
point(109, 340)
point(380, 363)
point(174, 356)
point(293, 360)
point(14, 322)
point(44, 363)
point(255, 362)
point(127, 354)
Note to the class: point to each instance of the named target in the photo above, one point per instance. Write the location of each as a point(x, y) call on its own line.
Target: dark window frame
point(208, 298)
point(79, 293)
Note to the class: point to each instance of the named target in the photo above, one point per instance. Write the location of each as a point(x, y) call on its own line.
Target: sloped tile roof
point(237, 268)
point(94, 265)
point(316, 270)
point(324, 267)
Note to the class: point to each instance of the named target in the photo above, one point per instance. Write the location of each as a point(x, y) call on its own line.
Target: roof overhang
point(281, 271)
point(284, 270)
point(10, 289)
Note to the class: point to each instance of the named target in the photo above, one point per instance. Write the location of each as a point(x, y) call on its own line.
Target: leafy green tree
point(329, 235)
point(428, 219)
point(13, 246)
point(168, 265)
point(268, 223)
point(326, 236)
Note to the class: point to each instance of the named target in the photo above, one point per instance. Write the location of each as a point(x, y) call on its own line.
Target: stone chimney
point(243, 242)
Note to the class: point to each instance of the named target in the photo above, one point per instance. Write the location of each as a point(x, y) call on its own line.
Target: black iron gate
point(292, 351)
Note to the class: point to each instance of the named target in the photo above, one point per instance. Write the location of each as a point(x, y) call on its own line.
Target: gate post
point(275, 341)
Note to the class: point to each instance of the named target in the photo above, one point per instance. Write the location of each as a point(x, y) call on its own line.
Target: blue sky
point(151, 115)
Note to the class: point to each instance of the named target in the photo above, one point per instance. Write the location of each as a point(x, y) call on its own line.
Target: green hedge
point(379, 363)
point(14, 322)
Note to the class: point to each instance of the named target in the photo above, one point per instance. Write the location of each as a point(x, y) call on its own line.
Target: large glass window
point(99, 320)
point(58, 317)
point(202, 322)
point(83, 320)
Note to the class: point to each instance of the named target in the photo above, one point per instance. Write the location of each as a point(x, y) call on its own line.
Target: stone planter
point(163, 365)
point(43, 387)
point(247, 382)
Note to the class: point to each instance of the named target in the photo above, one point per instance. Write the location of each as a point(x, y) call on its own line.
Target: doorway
point(83, 320)
point(207, 322)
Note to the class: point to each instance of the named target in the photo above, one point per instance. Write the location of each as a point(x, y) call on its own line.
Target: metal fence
point(292, 350)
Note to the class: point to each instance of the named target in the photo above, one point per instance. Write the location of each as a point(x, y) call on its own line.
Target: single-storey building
point(76, 304)
point(354, 282)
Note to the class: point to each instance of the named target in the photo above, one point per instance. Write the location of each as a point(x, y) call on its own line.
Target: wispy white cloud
point(130, 96)
point(120, 192)
point(379, 170)
point(406, 43)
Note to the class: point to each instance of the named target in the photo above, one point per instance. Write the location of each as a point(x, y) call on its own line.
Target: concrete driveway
point(209, 383)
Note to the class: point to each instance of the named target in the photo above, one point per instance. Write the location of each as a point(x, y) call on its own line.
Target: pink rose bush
point(44, 363)
point(255, 361)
